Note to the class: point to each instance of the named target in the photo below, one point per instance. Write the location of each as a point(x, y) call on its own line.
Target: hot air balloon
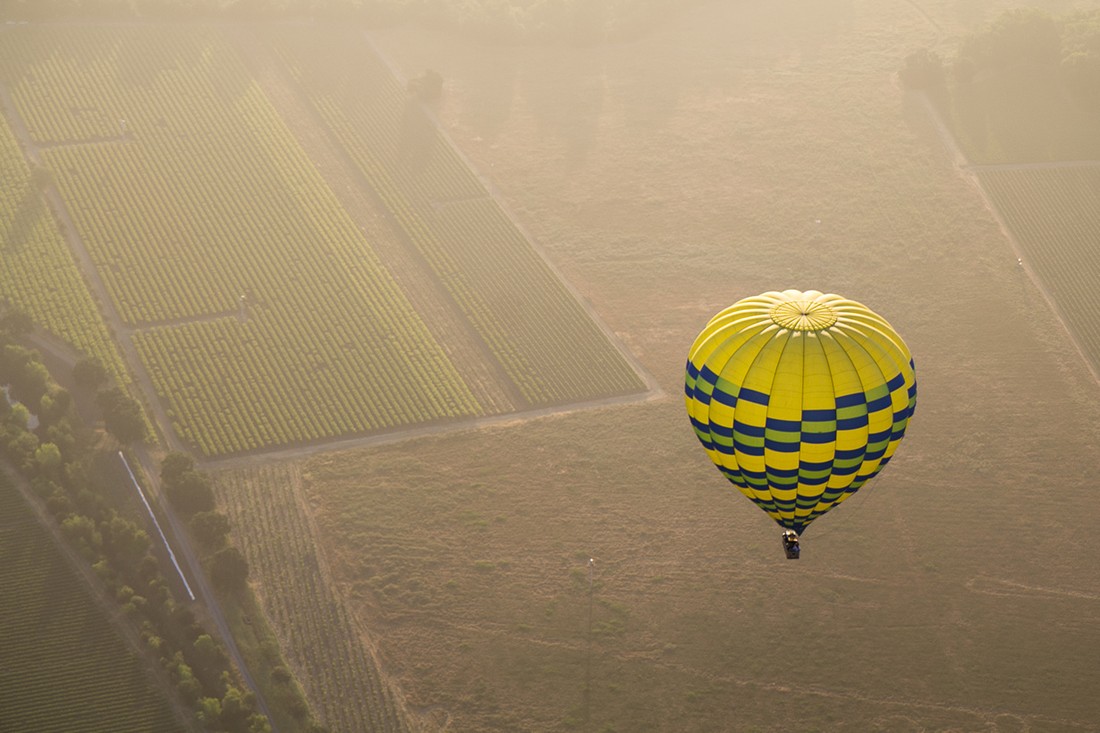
point(800, 399)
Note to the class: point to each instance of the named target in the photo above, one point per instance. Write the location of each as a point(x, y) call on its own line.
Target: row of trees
point(1023, 43)
point(58, 455)
point(193, 498)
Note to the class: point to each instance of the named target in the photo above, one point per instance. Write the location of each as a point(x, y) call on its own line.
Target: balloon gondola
point(799, 398)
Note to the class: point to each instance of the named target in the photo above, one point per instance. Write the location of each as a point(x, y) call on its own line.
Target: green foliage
point(48, 458)
point(65, 667)
point(320, 630)
point(331, 321)
point(24, 370)
point(175, 465)
point(543, 339)
point(210, 529)
point(82, 533)
point(229, 569)
point(89, 373)
point(323, 311)
point(122, 415)
point(190, 493)
point(40, 278)
point(119, 551)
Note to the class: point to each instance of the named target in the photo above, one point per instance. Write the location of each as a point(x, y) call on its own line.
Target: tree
point(229, 569)
point(208, 654)
point(89, 373)
point(20, 448)
point(923, 69)
point(15, 322)
point(210, 528)
point(47, 456)
point(82, 533)
point(127, 544)
point(175, 464)
point(26, 373)
point(190, 493)
point(121, 415)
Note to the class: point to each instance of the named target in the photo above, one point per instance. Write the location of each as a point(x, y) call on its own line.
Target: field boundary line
point(363, 636)
point(284, 452)
point(969, 173)
point(1033, 166)
point(121, 331)
point(494, 193)
point(402, 260)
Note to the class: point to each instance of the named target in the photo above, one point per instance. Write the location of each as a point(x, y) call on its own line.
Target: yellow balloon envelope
point(800, 399)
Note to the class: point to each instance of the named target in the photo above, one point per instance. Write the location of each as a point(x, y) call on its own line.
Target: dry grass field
point(740, 147)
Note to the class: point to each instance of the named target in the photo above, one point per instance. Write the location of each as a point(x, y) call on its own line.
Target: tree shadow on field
point(18, 231)
point(418, 137)
point(487, 105)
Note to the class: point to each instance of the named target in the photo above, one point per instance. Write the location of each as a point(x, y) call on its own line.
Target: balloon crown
point(803, 315)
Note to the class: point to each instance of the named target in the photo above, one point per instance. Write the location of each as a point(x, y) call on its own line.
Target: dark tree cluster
point(57, 457)
point(192, 496)
point(1022, 47)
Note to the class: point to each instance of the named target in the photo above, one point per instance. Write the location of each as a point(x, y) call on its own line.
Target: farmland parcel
point(65, 667)
point(259, 309)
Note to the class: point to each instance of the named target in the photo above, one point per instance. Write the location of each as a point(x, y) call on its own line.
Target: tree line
point(1026, 88)
point(42, 437)
point(1020, 43)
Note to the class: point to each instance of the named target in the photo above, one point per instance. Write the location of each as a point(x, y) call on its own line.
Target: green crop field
point(39, 275)
point(65, 667)
point(260, 309)
point(533, 325)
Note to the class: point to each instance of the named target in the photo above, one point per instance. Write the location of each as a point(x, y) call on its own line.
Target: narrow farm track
point(122, 332)
point(484, 376)
point(397, 436)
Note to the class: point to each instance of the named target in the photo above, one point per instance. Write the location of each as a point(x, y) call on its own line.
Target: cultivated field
point(259, 306)
point(736, 149)
point(1054, 215)
point(318, 634)
point(39, 275)
point(65, 667)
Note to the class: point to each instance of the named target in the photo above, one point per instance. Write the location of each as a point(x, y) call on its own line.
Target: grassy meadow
point(735, 149)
